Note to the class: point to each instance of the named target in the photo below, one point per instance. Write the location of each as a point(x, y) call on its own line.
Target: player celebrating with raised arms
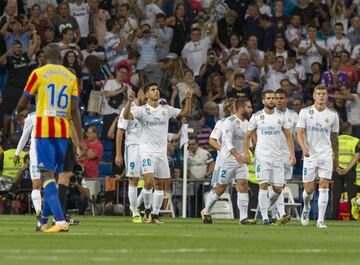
point(57, 102)
point(317, 133)
point(269, 124)
point(154, 121)
point(232, 165)
point(131, 154)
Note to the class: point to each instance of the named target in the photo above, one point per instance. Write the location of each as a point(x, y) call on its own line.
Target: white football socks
point(140, 198)
point(147, 194)
point(157, 201)
point(242, 203)
point(36, 199)
point(280, 205)
point(132, 194)
point(264, 203)
point(211, 199)
point(307, 198)
point(322, 203)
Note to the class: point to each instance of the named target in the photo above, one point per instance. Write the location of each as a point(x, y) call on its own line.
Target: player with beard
point(269, 124)
point(232, 164)
point(154, 122)
point(282, 98)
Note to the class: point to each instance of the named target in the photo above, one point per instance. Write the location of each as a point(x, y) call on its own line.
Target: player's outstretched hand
point(131, 95)
point(119, 160)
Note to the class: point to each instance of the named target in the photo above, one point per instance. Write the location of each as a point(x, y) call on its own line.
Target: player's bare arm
point(185, 111)
point(118, 158)
point(246, 156)
point(334, 138)
point(76, 118)
point(22, 104)
point(127, 108)
point(290, 143)
point(214, 144)
point(300, 132)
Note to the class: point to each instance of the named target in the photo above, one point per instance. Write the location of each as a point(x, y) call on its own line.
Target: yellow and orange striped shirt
point(55, 88)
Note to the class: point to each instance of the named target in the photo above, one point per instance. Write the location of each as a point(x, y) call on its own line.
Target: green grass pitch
point(115, 240)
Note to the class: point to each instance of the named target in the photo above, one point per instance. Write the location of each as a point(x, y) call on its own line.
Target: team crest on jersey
point(279, 121)
point(163, 112)
point(327, 120)
point(227, 131)
point(311, 112)
point(289, 120)
point(238, 122)
point(147, 110)
point(262, 117)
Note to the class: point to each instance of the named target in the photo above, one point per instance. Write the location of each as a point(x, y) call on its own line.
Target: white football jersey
point(28, 132)
point(233, 133)
point(292, 117)
point(318, 128)
point(132, 129)
point(154, 123)
point(269, 134)
point(217, 132)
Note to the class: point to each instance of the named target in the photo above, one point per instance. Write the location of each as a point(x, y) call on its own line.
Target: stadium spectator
point(65, 20)
point(80, 10)
point(312, 49)
point(97, 21)
point(93, 155)
point(200, 167)
point(115, 46)
point(194, 52)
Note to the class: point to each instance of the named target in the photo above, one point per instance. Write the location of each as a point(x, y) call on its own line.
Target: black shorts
point(70, 158)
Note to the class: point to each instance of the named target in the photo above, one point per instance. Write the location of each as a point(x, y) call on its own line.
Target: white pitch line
point(187, 250)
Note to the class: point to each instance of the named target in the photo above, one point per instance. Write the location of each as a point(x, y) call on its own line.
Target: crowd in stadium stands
point(220, 49)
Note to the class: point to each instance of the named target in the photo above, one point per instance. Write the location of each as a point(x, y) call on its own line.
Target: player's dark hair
point(240, 102)
point(265, 92)
point(65, 30)
point(147, 87)
point(282, 91)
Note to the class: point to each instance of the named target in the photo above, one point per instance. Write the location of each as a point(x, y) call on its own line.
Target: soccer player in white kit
point(154, 121)
point(317, 133)
point(269, 124)
point(215, 139)
point(232, 165)
point(27, 133)
point(131, 155)
point(282, 98)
